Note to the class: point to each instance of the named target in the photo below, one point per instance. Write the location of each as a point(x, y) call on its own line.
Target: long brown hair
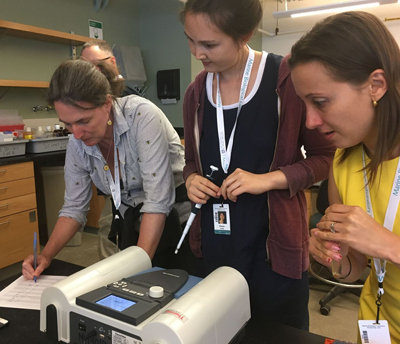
point(81, 81)
point(351, 46)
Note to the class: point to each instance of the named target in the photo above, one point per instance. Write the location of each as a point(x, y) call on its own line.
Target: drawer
point(16, 233)
point(17, 188)
point(16, 171)
point(17, 204)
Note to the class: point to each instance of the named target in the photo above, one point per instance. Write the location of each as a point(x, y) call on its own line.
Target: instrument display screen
point(115, 302)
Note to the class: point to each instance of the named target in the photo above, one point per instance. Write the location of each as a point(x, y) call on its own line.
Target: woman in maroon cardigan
point(261, 172)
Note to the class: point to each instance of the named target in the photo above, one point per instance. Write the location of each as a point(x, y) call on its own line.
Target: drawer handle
point(4, 205)
point(5, 223)
point(5, 188)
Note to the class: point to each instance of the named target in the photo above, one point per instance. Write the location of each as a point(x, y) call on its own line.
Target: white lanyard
point(227, 152)
point(380, 265)
point(115, 186)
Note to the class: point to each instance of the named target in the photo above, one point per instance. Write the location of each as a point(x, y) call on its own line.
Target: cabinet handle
point(5, 188)
point(5, 223)
point(4, 205)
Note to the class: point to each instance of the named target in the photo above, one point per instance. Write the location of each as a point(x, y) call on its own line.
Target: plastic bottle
point(28, 133)
point(49, 131)
point(57, 131)
point(19, 134)
point(40, 134)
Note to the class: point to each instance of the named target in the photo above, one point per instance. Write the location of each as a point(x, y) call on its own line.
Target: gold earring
point(374, 103)
point(109, 122)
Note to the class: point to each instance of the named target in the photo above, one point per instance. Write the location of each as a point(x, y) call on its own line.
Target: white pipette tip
point(213, 168)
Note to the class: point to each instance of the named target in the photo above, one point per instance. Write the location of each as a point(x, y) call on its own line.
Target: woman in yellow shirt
point(347, 71)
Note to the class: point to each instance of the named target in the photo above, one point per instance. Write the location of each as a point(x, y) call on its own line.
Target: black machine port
point(95, 332)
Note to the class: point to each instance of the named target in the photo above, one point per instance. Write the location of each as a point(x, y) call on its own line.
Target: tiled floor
point(341, 323)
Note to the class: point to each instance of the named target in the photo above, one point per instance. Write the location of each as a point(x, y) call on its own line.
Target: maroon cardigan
point(287, 242)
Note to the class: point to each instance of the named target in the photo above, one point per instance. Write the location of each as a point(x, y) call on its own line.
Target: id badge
point(373, 333)
point(222, 223)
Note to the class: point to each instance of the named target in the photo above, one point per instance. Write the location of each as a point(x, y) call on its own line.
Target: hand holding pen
point(36, 263)
point(196, 208)
point(30, 271)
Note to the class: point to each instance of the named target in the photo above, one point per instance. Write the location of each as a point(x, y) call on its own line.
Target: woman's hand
point(241, 181)
point(200, 189)
point(28, 271)
point(64, 230)
point(355, 228)
point(324, 251)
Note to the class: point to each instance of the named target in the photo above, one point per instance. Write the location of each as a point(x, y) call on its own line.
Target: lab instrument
point(122, 299)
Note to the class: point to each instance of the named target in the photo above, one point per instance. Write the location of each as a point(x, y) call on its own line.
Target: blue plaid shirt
point(151, 162)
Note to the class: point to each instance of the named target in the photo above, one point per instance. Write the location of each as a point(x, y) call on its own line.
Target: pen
point(34, 253)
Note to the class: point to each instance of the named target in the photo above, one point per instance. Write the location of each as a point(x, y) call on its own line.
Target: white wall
point(164, 46)
point(282, 43)
point(394, 28)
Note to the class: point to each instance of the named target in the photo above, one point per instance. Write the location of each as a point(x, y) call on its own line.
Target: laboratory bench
point(23, 326)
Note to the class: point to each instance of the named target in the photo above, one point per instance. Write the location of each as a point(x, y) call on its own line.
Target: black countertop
point(56, 156)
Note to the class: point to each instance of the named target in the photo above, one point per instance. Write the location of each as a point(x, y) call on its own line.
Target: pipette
point(194, 212)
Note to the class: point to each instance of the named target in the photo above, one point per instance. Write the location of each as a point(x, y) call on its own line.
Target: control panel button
point(156, 292)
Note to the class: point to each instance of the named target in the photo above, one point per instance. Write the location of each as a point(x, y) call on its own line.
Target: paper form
point(26, 294)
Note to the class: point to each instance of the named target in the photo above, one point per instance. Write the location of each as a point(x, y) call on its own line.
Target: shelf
point(33, 32)
point(21, 83)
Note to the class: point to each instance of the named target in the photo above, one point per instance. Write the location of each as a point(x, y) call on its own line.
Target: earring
point(374, 103)
point(109, 122)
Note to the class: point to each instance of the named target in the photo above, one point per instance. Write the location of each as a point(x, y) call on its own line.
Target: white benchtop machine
point(103, 305)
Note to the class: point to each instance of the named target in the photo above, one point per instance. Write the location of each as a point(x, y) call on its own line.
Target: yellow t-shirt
point(349, 180)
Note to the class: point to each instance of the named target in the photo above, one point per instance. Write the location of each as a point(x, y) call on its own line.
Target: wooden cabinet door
point(16, 233)
point(17, 204)
point(16, 171)
point(17, 188)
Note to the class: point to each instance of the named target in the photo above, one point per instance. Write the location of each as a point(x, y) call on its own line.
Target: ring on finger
point(332, 227)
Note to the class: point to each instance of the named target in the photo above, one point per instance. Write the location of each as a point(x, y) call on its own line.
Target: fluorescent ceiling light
point(328, 8)
point(338, 9)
